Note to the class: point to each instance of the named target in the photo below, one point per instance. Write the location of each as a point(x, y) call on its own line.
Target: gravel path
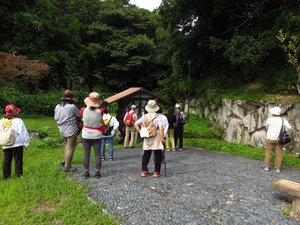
point(201, 187)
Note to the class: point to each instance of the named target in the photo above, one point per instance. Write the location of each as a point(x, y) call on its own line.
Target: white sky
point(146, 4)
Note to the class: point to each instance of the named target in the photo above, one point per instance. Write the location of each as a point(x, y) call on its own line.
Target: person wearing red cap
point(66, 115)
point(14, 151)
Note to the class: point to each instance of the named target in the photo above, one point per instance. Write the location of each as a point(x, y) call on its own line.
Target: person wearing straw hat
point(92, 132)
point(273, 126)
point(152, 143)
point(21, 143)
point(66, 115)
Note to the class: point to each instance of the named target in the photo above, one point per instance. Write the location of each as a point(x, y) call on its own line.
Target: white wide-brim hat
point(275, 111)
point(151, 106)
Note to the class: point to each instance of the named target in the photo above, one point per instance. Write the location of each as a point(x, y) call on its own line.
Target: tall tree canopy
point(112, 45)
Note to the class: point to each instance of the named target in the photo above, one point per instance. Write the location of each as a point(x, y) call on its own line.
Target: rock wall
point(243, 122)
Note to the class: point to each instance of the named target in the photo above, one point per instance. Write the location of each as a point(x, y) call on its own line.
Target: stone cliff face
point(243, 122)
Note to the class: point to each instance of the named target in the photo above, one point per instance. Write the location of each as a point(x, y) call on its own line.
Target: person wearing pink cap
point(14, 151)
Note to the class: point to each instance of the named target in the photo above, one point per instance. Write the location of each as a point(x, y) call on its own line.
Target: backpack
point(7, 136)
point(107, 127)
point(148, 129)
point(129, 119)
point(183, 118)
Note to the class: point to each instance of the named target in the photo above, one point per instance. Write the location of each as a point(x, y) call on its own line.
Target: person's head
point(275, 111)
point(106, 109)
point(11, 110)
point(177, 106)
point(171, 110)
point(133, 107)
point(93, 100)
point(69, 96)
point(151, 106)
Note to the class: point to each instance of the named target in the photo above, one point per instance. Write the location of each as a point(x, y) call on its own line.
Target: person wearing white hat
point(178, 130)
point(152, 143)
point(273, 126)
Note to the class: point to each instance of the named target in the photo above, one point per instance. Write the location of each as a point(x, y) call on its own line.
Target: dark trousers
point(10, 154)
point(178, 134)
point(87, 147)
point(146, 159)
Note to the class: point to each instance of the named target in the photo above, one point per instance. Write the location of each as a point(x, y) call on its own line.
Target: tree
point(14, 67)
point(291, 46)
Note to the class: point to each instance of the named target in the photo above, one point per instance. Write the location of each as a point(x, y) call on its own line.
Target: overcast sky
point(146, 4)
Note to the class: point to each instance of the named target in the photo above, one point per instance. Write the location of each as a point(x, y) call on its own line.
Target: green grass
point(44, 195)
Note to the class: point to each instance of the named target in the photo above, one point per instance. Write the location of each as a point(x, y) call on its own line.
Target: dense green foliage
point(109, 46)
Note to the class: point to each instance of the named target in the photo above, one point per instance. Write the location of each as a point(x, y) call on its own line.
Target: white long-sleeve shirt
point(20, 132)
point(273, 125)
point(113, 122)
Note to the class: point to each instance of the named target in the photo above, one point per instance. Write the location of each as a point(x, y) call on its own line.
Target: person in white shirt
point(152, 143)
point(273, 126)
point(22, 140)
point(113, 122)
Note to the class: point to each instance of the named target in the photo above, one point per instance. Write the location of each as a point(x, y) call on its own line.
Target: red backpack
point(129, 119)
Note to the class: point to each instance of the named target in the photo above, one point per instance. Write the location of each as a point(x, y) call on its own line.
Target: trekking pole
point(165, 163)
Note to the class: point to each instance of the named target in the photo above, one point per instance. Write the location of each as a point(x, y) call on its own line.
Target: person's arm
point(161, 133)
point(137, 124)
point(115, 122)
point(286, 124)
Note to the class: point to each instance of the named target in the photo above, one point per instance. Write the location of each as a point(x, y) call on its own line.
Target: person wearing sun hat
point(92, 132)
point(14, 151)
point(178, 130)
point(153, 143)
point(66, 115)
point(273, 126)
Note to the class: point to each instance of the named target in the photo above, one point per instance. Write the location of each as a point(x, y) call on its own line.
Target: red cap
point(12, 110)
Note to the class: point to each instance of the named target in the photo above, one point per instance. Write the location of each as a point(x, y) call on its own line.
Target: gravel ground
point(200, 187)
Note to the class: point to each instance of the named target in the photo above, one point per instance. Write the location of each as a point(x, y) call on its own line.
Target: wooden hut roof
point(132, 91)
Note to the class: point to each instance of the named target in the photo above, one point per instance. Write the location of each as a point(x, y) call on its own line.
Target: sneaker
point(180, 149)
point(156, 174)
point(131, 146)
point(86, 175)
point(145, 173)
point(97, 175)
point(63, 163)
point(168, 149)
point(277, 170)
point(174, 149)
point(266, 168)
point(111, 159)
point(103, 159)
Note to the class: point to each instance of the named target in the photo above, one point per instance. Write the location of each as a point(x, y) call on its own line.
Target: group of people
point(174, 131)
point(67, 115)
point(169, 130)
